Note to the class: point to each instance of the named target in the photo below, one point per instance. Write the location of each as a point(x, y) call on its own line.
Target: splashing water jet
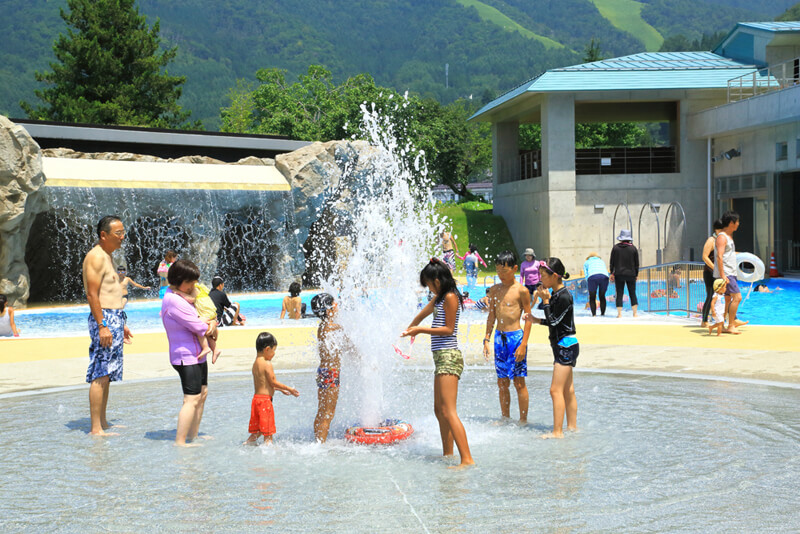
point(391, 233)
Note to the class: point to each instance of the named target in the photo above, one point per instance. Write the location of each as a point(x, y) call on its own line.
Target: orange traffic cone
point(773, 269)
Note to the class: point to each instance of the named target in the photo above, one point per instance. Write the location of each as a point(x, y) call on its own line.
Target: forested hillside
point(488, 45)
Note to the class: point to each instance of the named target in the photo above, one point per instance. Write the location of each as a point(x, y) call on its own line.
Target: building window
point(797, 148)
point(781, 151)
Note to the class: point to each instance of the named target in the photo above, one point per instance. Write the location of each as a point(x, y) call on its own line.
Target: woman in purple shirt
point(183, 326)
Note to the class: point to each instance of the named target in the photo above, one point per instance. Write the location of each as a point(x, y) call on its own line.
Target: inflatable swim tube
point(744, 258)
point(388, 431)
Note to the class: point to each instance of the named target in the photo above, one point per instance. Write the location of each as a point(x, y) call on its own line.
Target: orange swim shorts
point(262, 415)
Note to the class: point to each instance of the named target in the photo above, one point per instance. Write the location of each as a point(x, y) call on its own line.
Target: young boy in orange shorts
point(262, 414)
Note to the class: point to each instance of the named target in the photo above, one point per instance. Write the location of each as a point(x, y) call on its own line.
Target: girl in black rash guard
point(559, 318)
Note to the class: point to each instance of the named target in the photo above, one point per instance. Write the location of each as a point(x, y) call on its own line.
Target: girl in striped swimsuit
point(446, 308)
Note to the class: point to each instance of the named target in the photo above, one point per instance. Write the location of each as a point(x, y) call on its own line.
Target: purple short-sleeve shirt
point(183, 326)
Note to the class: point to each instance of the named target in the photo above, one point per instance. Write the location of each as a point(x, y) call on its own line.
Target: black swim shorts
point(566, 355)
point(193, 377)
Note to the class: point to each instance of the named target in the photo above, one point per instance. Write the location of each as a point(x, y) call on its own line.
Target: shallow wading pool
point(654, 454)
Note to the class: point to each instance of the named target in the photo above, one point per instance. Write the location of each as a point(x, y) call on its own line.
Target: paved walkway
point(760, 352)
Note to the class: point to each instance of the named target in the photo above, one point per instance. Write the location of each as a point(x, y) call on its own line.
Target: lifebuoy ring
point(758, 267)
point(388, 431)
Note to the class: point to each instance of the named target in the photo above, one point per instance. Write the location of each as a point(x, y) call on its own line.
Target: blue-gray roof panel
point(788, 26)
point(653, 71)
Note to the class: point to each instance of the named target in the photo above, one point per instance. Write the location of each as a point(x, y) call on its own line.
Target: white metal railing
point(772, 78)
point(675, 287)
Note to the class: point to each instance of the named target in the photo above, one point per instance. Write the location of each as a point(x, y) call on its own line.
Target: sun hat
point(717, 283)
point(529, 252)
point(625, 235)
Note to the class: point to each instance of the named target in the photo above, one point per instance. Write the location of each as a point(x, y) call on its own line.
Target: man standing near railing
point(725, 268)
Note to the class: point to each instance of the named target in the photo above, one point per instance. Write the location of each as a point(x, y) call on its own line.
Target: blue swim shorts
point(106, 361)
point(505, 345)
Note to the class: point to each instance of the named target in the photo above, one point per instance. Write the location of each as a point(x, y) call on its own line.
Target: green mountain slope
point(495, 16)
point(626, 15)
point(403, 44)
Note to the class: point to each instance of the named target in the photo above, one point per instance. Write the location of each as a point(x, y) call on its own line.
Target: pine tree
point(109, 70)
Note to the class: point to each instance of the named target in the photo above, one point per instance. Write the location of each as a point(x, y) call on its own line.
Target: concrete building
point(731, 119)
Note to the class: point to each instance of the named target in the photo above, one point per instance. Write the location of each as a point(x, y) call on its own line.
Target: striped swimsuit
point(444, 342)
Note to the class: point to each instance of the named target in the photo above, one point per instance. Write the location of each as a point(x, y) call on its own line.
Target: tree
point(793, 13)
point(592, 52)
point(315, 108)
point(109, 70)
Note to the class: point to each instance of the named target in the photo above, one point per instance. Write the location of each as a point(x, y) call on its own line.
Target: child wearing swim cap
point(717, 308)
point(331, 341)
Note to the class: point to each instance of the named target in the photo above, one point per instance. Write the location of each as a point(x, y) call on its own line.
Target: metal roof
point(789, 26)
point(651, 70)
point(658, 61)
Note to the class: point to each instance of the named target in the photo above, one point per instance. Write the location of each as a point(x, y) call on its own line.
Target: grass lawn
point(473, 222)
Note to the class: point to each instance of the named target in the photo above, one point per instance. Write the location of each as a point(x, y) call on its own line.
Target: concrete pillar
point(505, 150)
point(561, 231)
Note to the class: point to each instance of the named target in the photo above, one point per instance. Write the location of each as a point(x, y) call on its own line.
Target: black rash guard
point(559, 316)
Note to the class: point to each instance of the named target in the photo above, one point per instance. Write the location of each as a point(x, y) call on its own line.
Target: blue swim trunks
point(505, 345)
point(106, 361)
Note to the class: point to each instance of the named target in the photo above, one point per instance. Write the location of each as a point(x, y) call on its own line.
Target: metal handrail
point(772, 78)
point(658, 231)
point(666, 223)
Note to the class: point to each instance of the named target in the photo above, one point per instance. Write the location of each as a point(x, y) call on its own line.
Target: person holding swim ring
point(726, 267)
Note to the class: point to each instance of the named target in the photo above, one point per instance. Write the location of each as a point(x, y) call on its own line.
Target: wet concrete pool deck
point(677, 346)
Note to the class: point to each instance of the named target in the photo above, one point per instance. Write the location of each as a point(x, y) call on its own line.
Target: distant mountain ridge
point(488, 46)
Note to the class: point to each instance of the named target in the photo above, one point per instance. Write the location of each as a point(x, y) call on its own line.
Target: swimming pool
point(143, 316)
point(777, 308)
point(654, 454)
point(263, 309)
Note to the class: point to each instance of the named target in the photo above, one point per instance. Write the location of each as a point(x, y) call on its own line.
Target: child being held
point(207, 311)
point(717, 308)
point(262, 413)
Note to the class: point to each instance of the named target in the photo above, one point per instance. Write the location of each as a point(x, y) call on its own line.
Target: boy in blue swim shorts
point(507, 301)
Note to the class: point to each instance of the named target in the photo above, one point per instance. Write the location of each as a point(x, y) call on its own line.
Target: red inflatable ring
point(388, 431)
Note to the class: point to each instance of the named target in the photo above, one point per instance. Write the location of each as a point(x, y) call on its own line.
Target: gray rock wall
point(299, 234)
point(21, 179)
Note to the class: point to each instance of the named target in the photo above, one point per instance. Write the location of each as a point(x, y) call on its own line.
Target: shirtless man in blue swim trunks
point(508, 300)
point(107, 328)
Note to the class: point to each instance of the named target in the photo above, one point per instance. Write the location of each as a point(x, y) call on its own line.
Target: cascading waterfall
point(245, 236)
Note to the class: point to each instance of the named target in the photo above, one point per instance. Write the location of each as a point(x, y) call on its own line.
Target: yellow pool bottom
point(753, 338)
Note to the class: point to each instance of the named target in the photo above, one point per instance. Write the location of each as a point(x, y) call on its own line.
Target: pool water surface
point(653, 453)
